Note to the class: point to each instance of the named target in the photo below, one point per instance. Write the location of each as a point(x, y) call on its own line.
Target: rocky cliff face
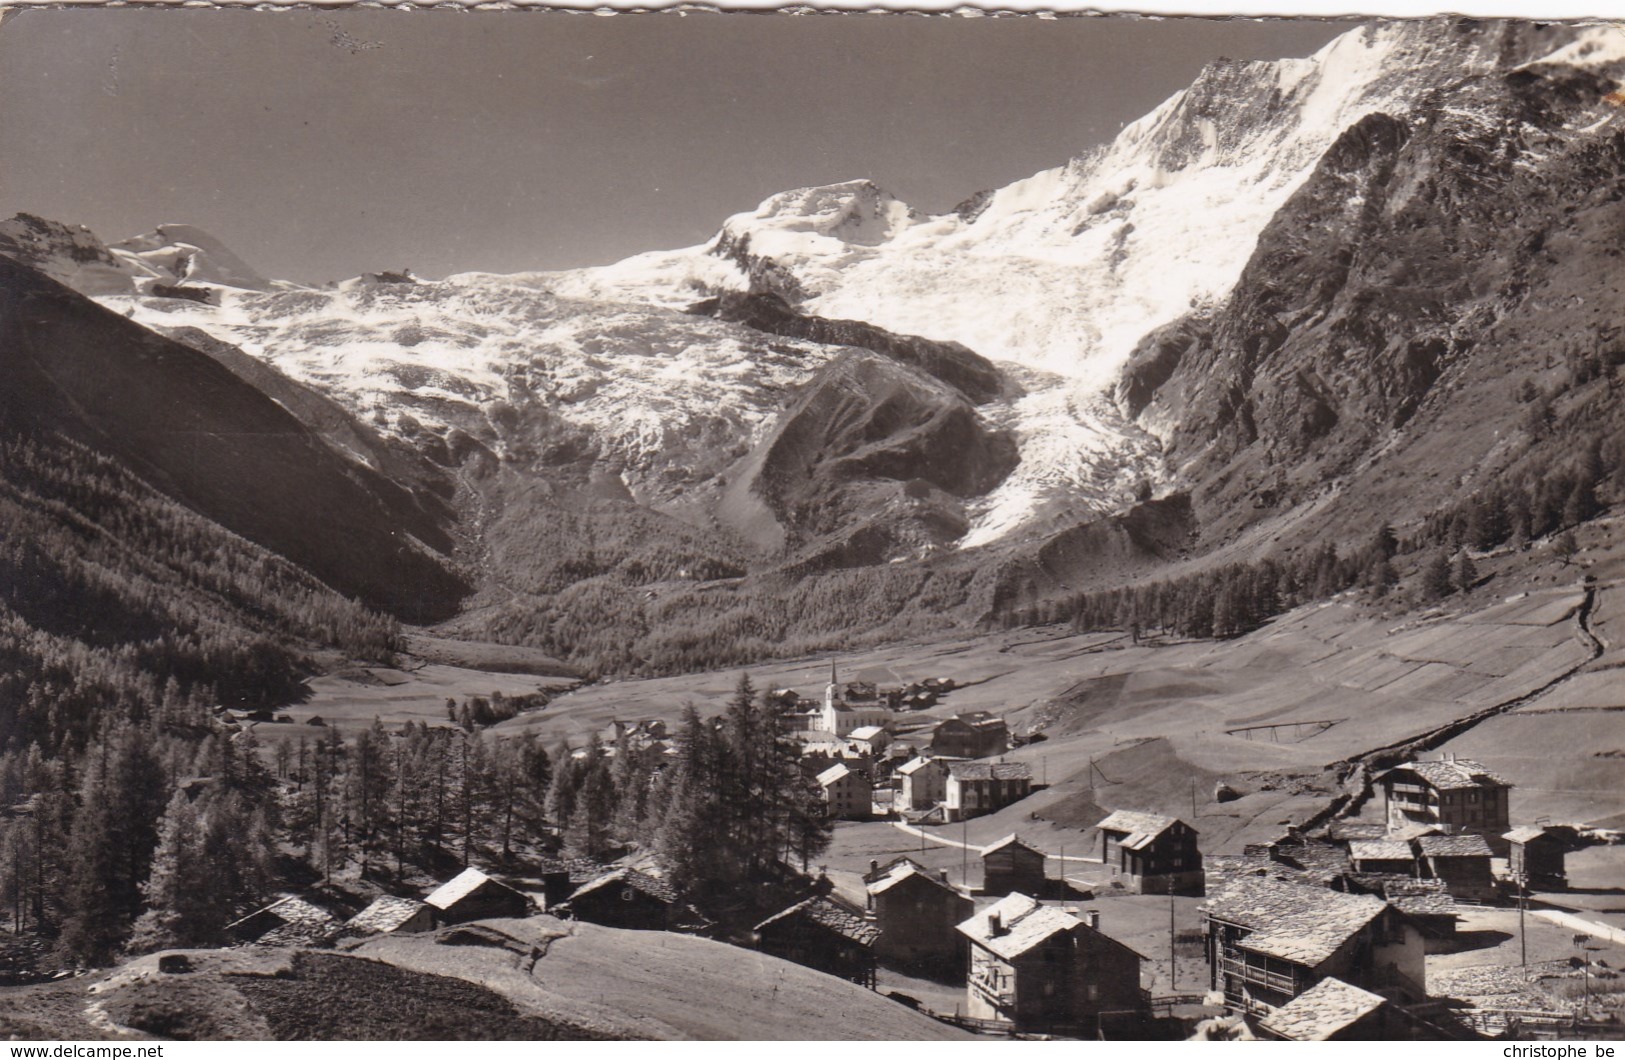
point(196, 431)
point(1386, 313)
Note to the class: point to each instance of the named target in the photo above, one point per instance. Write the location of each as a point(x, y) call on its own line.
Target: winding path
point(1364, 766)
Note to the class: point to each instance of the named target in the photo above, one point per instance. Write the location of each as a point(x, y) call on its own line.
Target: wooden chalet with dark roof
point(977, 734)
point(288, 921)
point(916, 911)
point(826, 934)
point(1456, 795)
point(1153, 854)
point(1011, 865)
point(1041, 968)
point(1270, 941)
point(1461, 863)
point(1537, 857)
point(625, 898)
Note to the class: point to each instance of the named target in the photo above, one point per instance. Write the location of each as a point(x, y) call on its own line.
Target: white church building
point(841, 716)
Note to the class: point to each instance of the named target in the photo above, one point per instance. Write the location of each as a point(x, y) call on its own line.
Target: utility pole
point(1193, 801)
point(1173, 963)
point(1580, 942)
point(1523, 941)
point(964, 848)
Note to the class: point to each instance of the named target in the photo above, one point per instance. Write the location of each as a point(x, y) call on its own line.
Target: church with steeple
point(841, 714)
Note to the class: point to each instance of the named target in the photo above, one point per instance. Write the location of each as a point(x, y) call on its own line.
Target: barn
point(472, 895)
point(823, 933)
point(1011, 865)
point(625, 898)
point(1157, 854)
point(388, 914)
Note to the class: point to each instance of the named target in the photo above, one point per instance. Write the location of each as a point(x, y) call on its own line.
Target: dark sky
point(317, 144)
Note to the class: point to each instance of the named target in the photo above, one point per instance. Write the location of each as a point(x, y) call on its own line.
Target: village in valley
point(1435, 910)
point(1170, 595)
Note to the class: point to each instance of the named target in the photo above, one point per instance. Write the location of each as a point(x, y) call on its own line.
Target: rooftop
point(991, 771)
point(1380, 850)
point(1525, 833)
point(385, 914)
point(291, 909)
point(1010, 840)
point(642, 882)
point(1321, 1011)
point(902, 870)
point(1023, 924)
point(1454, 775)
point(1304, 925)
point(1454, 846)
point(1140, 828)
point(867, 732)
point(459, 887)
point(838, 771)
point(836, 916)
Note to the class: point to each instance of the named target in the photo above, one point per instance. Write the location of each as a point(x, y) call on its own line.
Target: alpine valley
point(1299, 301)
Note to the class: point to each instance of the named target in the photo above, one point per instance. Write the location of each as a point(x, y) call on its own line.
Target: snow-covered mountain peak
point(186, 254)
point(856, 211)
point(1064, 272)
point(68, 254)
point(172, 255)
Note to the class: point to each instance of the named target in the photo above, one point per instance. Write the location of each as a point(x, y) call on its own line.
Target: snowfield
point(1056, 277)
point(447, 356)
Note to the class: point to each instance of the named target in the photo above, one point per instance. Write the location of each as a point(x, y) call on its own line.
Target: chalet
point(1382, 856)
point(1040, 967)
point(1268, 942)
point(1430, 908)
point(975, 735)
point(1317, 861)
point(916, 910)
point(848, 795)
point(924, 782)
point(288, 921)
point(843, 712)
point(1536, 857)
point(824, 933)
point(1461, 863)
point(1157, 854)
point(1455, 795)
point(977, 788)
point(625, 898)
point(472, 895)
point(1330, 1011)
point(388, 914)
point(869, 740)
point(1011, 865)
